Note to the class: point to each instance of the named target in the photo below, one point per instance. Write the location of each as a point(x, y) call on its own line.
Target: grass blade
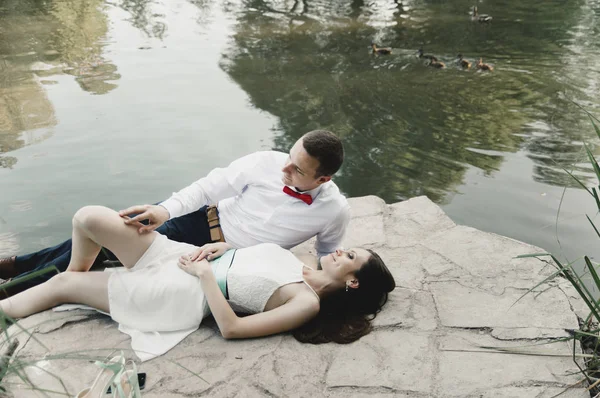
point(552, 276)
point(580, 287)
point(35, 326)
point(533, 255)
point(594, 277)
point(594, 124)
point(4, 317)
point(569, 387)
point(592, 117)
point(578, 181)
point(592, 161)
point(595, 229)
point(593, 333)
point(25, 278)
point(574, 275)
point(595, 195)
point(592, 271)
point(501, 350)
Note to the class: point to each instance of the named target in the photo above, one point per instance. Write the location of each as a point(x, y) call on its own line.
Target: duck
point(475, 16)
point(463, 62)
point(381, 50)
point(482, 66)
point(436, 64)
point(399, 9)
point(427, 56)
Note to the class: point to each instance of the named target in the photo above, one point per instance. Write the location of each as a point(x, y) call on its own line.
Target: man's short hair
point(327, 148)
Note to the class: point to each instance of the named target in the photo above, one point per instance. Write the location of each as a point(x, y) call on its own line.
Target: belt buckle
point(212, 213)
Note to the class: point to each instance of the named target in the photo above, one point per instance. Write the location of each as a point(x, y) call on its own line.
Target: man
point(264, 197)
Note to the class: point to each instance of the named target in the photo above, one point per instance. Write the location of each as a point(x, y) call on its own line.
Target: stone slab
point(463, 371)
point(465, 307)
point(486, 255)
point(455, 286)
point(533, 392)
point(410, 222)
point(397, 359)
point(405, 265)
point(408, 308)
point(365, 232)
point(366, 206)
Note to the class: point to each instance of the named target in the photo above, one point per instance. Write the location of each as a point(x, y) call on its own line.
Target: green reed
point(588, 333)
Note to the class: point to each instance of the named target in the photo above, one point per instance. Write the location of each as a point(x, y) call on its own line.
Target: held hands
point(156, 216)
point(196, 263)
point(210, 251)
point(195, 268)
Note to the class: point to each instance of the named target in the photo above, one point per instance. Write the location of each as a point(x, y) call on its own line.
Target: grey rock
point(467, 368)
point(458, 290)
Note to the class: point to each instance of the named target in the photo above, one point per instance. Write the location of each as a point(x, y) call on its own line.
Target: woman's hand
point(196, 268)
point(210, 251)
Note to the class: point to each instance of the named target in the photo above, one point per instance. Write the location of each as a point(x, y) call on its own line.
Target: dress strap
point(309, 286)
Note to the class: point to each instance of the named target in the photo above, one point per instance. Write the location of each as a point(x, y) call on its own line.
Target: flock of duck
point(433, 60)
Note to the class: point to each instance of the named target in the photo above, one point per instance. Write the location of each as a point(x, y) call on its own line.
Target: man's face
point(301, 168)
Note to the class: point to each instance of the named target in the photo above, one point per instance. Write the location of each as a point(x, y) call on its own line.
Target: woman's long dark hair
point(346, 316)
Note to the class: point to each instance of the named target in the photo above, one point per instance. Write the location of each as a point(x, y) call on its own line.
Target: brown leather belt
point(216, 233)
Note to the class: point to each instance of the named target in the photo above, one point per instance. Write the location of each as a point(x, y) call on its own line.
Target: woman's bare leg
point(97, 226)
point(90, 288)
point(93, 227)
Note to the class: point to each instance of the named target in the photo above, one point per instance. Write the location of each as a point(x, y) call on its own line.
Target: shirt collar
point(313, 192)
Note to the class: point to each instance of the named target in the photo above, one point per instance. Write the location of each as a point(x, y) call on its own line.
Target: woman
point(163, 294)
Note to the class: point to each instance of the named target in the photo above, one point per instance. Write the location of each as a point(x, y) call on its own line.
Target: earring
point(346, 287)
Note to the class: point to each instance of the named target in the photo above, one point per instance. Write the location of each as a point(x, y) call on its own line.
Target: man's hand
point(156, 216)
point(195, 268)
point(210, 251)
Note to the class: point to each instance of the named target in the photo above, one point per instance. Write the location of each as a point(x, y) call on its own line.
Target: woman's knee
point(88, 217)
point(89, 288)
point(61, 285)
point(60, 280)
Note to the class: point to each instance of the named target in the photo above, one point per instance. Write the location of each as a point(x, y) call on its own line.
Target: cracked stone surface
point(458, 290)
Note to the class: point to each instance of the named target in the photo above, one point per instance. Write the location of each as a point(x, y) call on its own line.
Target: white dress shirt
point(254, 209)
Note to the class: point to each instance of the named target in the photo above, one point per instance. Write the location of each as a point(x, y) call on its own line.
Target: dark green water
point(124, 102)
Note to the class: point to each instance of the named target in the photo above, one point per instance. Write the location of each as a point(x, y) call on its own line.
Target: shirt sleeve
point(331, 237)
point(219, 184)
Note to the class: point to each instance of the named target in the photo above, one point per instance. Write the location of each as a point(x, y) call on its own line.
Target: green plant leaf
point(533, 255)
point(19, 280)
point(590, 333)
point(595, 195)
point(552, 276)
point(578, 181)
point(592, 161)
point(580, 287)
point(507, 350)
point(595, 229)
point(593, 272)
point(592, 117)
point(4, 317)
point(594, 124)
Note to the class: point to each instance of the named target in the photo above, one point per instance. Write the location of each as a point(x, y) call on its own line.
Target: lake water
point(124, 102)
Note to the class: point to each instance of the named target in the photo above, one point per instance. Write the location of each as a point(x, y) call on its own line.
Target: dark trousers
point(191, 228)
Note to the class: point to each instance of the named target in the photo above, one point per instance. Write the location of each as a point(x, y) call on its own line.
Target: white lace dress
point(158, 304)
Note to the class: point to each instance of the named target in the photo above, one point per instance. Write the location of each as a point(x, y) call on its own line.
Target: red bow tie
point(306, 198)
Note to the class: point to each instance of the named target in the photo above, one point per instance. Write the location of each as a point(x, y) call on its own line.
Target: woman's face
point(341, 265)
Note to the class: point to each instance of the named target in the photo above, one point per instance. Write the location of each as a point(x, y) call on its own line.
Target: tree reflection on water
point(41, 39)
point(410, 130)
